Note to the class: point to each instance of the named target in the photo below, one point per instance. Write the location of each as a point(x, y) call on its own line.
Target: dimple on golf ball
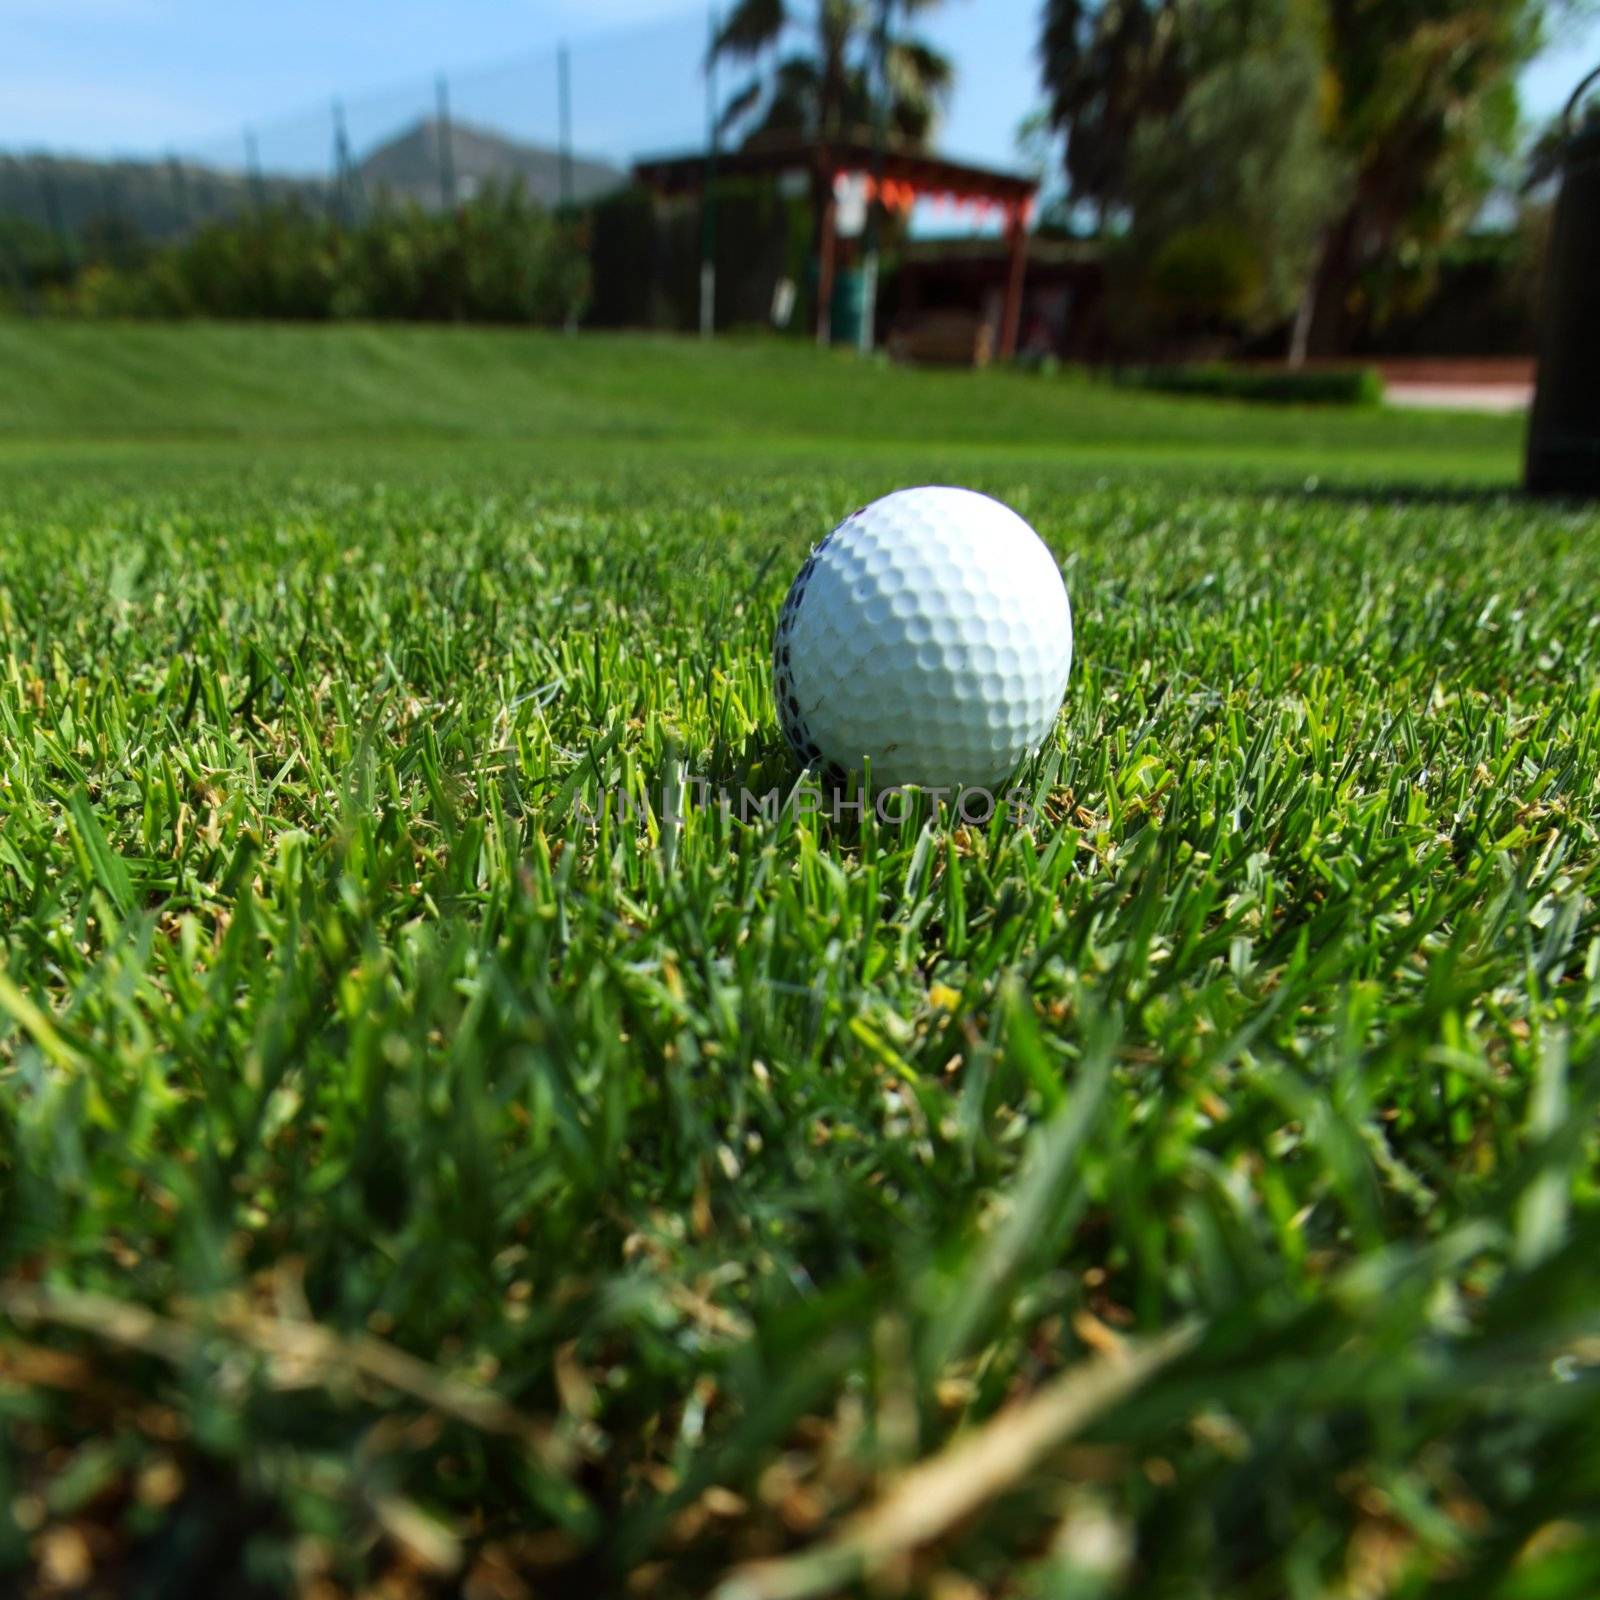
point(929, 635)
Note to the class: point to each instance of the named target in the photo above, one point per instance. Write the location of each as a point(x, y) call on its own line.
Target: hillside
point(157, 199)
point(208, 381)
point(160, 200)
point(409, 166)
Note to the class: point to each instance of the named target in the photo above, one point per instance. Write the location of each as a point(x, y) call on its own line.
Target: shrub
point(498, 258)
point(1211, 272)
point(1344, 386)
point(33, 261)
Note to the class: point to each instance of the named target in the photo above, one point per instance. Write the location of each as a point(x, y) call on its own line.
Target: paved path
point(1501, 397)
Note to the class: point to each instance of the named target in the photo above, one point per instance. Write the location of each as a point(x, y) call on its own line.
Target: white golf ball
point(929, 634)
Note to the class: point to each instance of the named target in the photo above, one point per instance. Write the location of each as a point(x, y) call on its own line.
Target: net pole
point(180, 192)
point(875, 208)
point(564, 124)
point(252, 163)
point(708, 220)
point(447, 155)
point(336, 188)
point(111, 190)
point(346, 179)
point(53, 213)
point(564, 154)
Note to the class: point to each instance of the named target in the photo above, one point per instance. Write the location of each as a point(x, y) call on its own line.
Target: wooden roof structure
point(906, 175)
point(771, 155)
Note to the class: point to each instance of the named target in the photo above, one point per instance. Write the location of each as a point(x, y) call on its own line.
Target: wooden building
point(897, 177)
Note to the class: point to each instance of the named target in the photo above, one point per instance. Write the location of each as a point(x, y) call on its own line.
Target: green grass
point(409, 1174)
point(282, 385)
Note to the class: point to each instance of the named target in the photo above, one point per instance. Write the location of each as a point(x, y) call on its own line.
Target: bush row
point(498, 258)
point(1345, 386)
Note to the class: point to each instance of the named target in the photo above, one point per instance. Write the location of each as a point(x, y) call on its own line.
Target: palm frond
point(914, 65)
point(828, 87)
point(796, 75)
point(752, 26)
point(740, 104)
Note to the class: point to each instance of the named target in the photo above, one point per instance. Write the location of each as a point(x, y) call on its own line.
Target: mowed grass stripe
point(346, 1017)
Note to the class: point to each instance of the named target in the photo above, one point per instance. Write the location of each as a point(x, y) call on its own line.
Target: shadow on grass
point(1362, 492)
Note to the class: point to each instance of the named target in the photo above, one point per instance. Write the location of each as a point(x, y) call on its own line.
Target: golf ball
point(929, 634)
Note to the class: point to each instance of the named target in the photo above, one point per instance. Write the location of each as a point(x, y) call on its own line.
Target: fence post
point(180, 192)
point(708, 218)
point(564, 125)
point(875, 207)
point(447, 155)
point(53, 213)
point(252, 162)
point(346, 180)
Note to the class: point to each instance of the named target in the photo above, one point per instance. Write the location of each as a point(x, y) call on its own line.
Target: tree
point(1426, 98)
point(1109, 66)
point(1418, 99)
point(1229, 196)
point(826, 86)
point(830, 85)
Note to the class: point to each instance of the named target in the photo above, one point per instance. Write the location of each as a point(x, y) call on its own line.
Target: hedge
point(1340, 386)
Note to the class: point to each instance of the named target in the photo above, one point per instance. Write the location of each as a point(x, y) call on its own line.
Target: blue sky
point(145, 76)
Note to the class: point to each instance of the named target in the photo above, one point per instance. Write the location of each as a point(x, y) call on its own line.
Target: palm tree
point(1109, 66)
point(1419, 101)
point(1425, 92)
point(826, 86)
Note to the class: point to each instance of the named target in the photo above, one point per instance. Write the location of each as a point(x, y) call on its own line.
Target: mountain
point(156, 199)
point(120, 202)
point(410, 167)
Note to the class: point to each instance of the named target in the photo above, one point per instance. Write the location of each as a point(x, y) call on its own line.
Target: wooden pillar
point(827, 249)
point(1011, 317)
